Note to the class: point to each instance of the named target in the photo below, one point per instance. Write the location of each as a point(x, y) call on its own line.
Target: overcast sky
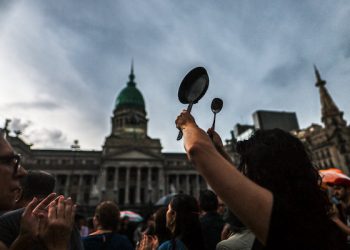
point(63, 63)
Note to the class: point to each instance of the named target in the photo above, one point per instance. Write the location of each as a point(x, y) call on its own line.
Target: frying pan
point(193, 88)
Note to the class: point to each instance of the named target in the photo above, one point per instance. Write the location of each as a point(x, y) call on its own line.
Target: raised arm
point(249, 201)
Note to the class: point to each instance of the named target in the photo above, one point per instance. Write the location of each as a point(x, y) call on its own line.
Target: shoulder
point(165, 245)
point(120, 241)
point(241, 241)
point(10, 226)
point(117, 241)
point(120, 238)
point(12, 216)
point(298, 227)
point(90, 238)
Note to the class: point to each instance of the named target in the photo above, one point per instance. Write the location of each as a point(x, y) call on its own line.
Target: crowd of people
point(274, 199)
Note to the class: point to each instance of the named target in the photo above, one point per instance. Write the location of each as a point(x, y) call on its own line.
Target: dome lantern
point(130, 96)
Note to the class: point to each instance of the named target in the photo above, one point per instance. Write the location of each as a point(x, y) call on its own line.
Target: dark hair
point(161, 231)
point(278, 161)
point(108, 215)
point(187, 225)
point(208, 201)
point(37, 184)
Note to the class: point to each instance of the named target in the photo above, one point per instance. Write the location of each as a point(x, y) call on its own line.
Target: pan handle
point(189, 108)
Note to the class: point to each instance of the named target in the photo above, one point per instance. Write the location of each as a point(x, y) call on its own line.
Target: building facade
point(329, 144)
point(130, 169)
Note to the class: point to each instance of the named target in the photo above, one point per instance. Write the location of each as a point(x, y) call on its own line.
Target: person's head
point(208, 201)
point(221, 207)
point(161, 230)
point(90, 224)
point(37, 184)
point(10, 174)
point(341, 190)
point(182, 219)
point(278, 161)
point(107, 216)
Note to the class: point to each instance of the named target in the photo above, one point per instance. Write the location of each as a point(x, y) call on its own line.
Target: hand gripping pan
point(193, 88)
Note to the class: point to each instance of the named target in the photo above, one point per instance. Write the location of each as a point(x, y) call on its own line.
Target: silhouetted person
point(211, 222)
point(275, 192)
point(106, 220)
point(37, 184)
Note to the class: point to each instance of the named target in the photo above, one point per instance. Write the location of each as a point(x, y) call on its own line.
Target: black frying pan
point(193, 88)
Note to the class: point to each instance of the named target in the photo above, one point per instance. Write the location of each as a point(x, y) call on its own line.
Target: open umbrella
point(132, 216)
point(165, 200)
point(333, 175)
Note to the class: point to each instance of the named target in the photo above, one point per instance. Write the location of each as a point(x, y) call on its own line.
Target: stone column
point(81, 190)
point(177, 183)
point(127, 181)
point(116, 183)
point(149, 185)
point(138, 186)
point(103, 180)
point(167, 185)
point(187, 184)
point(67, 185)
point(161, 182)
point(197, 186)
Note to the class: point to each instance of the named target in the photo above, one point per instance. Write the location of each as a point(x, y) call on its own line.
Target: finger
point(29, 208)
point(43, 204)
point(55, 200)
point(72, 215)
point(60, 207)
point(52, 211)
point(68, 209)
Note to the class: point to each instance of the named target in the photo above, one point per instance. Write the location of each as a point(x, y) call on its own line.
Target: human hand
point(30, 218)
point(215, 137)
point(334, 212)
point(184, 119)
point(148, 242)
point(226, 232)
point(55, 230)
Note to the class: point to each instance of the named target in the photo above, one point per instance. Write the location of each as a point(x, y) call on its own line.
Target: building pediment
point(133, 154)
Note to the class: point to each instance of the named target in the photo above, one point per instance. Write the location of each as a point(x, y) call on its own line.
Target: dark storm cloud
point(17, 124)
point(31, 133)
point(285, 75)
point(50, 138)
point(40, 105)
point(259, 55)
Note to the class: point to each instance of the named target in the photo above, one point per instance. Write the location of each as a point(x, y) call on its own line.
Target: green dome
point(130, 96)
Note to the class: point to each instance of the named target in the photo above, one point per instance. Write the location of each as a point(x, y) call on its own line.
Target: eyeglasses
point(13, 160)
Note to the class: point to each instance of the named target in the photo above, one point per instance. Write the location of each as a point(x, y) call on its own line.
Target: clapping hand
point(50, 221)
point(55, 229)
point(148, 242)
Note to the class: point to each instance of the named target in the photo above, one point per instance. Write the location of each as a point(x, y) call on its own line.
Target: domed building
point(134, 171)
point(131, 168)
